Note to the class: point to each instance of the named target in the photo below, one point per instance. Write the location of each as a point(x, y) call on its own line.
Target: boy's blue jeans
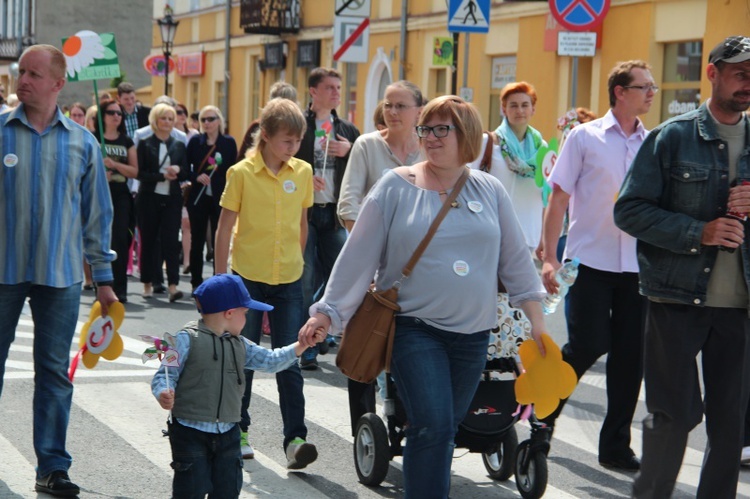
point(205, 463)
point(436, 374)
point(55, 312)
point(285, 320)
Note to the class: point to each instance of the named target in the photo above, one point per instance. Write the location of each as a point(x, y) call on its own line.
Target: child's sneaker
point(299, 454)
point(245, 447)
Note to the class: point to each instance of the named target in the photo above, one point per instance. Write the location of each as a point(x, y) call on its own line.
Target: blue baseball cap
point(224, 292)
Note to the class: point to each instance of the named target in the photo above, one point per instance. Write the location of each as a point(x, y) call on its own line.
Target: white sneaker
point(299, 454)
point(245, 447)
point(745, 459)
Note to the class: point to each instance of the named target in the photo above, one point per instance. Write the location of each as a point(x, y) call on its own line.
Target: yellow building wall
point(633, 29)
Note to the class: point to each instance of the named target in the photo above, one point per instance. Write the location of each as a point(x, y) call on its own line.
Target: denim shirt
point(679, 181)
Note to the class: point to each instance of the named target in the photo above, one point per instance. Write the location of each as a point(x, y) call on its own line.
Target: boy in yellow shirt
point(265, 201)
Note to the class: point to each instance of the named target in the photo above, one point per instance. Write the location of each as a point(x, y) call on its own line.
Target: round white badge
point(10, 160)
point(461, 268)
point(289, 187)
point(475, 206)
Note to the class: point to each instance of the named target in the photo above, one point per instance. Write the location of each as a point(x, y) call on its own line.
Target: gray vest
point(213, 380)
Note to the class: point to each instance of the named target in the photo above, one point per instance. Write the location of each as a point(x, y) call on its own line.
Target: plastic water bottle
point(565, 278)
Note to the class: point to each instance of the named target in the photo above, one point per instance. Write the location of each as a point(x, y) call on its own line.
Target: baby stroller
point(488, 427)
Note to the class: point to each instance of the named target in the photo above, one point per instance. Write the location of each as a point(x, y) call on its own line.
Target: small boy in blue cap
point(206, 389)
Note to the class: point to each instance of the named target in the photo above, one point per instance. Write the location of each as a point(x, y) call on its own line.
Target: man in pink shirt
point(604, 310)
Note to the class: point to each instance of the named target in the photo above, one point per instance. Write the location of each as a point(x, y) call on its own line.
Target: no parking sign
point(579, 15)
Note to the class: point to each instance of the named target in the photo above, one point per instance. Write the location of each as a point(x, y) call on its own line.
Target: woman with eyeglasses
point(121, 164)
point(181, 123)
point(77, 113)
point(515, 144)
point(162, 165)
point(448, 303)
point(209, 156)
point(372, 154)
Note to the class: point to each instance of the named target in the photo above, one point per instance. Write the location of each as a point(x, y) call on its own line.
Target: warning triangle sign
point(468, 15)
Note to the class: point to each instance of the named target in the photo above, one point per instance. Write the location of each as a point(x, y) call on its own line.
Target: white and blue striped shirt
point(55, 205)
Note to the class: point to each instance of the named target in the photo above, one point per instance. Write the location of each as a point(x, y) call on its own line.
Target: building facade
point(26, 22)
point(271, 40)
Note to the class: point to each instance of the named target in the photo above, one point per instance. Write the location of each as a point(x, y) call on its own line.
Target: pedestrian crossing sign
point(469, 16)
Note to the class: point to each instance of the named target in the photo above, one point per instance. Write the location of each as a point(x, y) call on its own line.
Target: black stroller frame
point(488, 428)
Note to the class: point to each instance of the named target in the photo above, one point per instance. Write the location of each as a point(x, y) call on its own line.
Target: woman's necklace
point(444, 191)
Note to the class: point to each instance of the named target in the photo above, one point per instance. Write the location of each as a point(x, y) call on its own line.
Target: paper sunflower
point(546, 380)
point(99, 336)
point(81, 49)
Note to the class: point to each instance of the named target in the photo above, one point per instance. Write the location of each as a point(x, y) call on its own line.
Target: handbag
point(188, 186)
point(366, 346)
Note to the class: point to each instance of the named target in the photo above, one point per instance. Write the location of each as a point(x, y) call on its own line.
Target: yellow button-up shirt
point(266, 241)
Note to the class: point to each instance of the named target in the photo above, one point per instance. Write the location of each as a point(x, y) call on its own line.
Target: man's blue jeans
point(285, 320)
point(205, 463)
point(55, 312)
point(325, 238)
point(436, 374)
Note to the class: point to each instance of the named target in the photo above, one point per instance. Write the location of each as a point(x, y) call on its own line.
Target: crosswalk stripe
point(332, 413)
point(18, 474)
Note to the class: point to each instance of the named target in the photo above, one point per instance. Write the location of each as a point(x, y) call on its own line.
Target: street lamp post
point(167, 27)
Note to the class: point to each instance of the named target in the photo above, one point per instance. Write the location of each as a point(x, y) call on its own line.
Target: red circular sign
point(155, 66)
point(579, 15)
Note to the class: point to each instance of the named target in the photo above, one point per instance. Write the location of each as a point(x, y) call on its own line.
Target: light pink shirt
point(591, 168)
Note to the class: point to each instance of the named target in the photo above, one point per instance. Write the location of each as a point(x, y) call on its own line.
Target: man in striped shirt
point(55, 208)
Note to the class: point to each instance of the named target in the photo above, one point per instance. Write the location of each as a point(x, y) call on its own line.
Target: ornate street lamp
point(167, 27)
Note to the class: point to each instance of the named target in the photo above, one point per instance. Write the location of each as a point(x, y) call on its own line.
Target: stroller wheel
point(531, 471)
point(500, 464)
point(371, 451)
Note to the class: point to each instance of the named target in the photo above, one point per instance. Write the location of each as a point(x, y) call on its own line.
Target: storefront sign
point(193, 64)
point(308, 54)
point(503, 71)
point(442, 51)
point(274, 57)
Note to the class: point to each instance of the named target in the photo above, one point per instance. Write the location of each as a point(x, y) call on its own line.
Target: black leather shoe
point(630, 463)
point(57, 484)
point(160, 289)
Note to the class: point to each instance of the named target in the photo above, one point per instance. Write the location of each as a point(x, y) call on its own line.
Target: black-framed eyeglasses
point(209, 119)
point(396, 107)
point(112, 112)
point(438, 131)
point(644, 88)
point(180, 112)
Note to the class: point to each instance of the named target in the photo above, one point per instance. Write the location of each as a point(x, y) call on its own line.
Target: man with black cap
point(686, 199)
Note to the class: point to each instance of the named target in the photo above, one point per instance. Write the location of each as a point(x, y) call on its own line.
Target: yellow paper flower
point(81, 49)
point(546, 380)
point(99, 336)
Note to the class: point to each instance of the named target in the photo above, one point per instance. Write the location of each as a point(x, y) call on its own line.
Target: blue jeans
point(55, 312)
point(205, 463)
point(285, 320)
point(325, 238)
point(436, 374)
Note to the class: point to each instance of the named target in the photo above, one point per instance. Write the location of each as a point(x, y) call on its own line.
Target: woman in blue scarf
point(514, 158)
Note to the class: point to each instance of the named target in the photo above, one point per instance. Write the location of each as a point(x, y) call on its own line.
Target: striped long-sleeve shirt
point(55, 206)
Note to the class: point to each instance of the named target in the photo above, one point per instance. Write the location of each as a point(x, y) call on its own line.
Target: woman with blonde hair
point(209, 155)
point(448, 303)
point(162, 165)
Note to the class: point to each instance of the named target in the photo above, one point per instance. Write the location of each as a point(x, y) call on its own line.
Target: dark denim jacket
point(679, 182)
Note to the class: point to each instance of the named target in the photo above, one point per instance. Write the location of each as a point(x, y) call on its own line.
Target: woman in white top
point(514, 151)
point(372, 154)
point(448, 304)
point(375, 152)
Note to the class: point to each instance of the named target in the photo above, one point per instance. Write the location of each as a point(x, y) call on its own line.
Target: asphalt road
point(118, 450)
